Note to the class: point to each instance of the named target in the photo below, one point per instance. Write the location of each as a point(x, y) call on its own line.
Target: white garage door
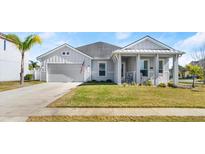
point(64, 73)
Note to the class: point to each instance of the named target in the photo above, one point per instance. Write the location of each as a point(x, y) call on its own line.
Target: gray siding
point(163, 77)
point(73, 58)
point(131, 67)
point(110, 70)
point(131, 64)
point(146, 45)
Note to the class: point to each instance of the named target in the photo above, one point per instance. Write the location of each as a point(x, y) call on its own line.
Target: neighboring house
point(183, 73)
point(10, 60)
point(199, 62)
point(145, 59)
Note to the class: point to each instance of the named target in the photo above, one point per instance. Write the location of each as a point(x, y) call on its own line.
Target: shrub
point(170, 84)
point(133, 83)
point(148, 83)
point(109, 81)
point(163, 85)
point(124, 84)
point(94, 81)
point(28, 77)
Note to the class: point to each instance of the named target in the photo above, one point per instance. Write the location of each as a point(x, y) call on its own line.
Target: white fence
point(36, 74)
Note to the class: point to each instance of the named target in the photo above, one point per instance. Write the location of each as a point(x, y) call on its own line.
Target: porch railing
point(130, 76)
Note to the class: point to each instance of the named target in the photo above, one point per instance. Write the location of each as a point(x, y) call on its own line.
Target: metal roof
point(149, 52)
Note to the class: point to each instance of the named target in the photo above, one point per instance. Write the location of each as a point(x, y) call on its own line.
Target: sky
point(188, 42)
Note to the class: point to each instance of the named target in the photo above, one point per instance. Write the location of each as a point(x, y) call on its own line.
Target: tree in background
point(33, 65)
point(23, 47)
point(199, 57)
point(182, 71)
point(195, 71)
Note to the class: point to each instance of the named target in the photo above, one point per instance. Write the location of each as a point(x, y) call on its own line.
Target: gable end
point(147, 43)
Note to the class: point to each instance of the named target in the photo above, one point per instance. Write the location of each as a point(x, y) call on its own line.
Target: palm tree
point(24, 46)
point(33, 65)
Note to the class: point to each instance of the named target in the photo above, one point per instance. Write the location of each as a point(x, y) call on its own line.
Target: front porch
point(139, 68)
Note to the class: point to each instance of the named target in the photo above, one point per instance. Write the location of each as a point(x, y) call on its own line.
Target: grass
point(15, 84)
point(116, 119)
point(95, 95)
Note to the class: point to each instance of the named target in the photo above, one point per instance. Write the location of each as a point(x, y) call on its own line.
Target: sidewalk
point(120, 112)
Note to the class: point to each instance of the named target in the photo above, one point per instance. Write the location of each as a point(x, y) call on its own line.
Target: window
point(122, 70)
point(161, 66)
point(65, 53)
point(144, 67)
point(102, 69)
point(4, 45)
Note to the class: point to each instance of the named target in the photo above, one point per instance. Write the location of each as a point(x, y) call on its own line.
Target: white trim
point(61, 46)
point(98, 58)
point(64, 63)
point(148, 69)
point(47, 72)
point(175, 69)
point(102, 62)
point(119, 65)
point(138, 75)
point(163, 67)
point(147, 52)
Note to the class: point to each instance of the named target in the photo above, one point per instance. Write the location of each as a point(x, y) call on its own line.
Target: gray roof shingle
point(98, 49)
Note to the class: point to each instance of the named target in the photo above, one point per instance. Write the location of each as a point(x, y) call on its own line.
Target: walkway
point(121, 112)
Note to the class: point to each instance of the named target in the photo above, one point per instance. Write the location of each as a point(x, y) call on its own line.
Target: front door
point(123, 71)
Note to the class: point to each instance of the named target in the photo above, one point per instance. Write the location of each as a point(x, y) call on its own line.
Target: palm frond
point(16, 40)
point(30, 41)
point(33, 65)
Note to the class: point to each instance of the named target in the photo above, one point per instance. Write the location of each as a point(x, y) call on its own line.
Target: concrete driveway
point(18, 104)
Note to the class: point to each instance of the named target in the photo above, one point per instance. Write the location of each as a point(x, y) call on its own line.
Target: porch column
point(156, 69)
point(175, 69)
point(119, 65)
point(46, 72)
point(138, 69)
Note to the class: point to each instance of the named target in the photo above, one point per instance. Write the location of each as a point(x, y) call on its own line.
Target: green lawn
point(15, 84)
point(115, 119)
point(92, 95)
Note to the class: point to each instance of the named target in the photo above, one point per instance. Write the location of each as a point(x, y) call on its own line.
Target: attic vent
point(65, 53)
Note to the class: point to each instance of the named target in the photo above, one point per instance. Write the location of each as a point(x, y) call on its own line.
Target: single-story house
point(10, 60)
point(145, 59)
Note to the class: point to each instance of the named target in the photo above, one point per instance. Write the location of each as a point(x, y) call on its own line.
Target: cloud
point(61, 42)
point(46, 35)
point(191, 43)
point(122, 35)
point(185, 59)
